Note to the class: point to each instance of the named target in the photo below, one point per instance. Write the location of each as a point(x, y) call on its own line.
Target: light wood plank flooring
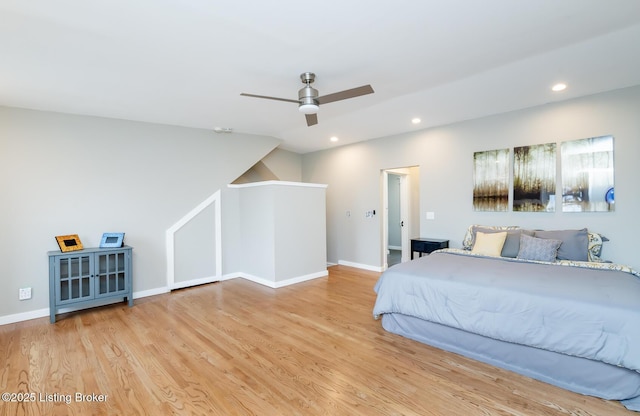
point(238, 348)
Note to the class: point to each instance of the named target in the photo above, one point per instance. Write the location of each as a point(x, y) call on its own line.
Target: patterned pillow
point(541, 249)
point(470, 236)
point(594, 250)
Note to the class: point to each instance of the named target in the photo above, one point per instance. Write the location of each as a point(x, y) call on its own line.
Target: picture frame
point(111, 240)
point(70, 242)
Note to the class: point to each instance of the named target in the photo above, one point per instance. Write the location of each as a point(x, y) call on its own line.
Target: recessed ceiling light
point(559, 87)
point(333, 139)
point(416, 120)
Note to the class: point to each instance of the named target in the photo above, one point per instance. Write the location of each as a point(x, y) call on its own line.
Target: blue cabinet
point(90, 277)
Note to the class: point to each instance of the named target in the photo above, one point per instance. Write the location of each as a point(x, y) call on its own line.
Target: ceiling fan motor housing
point(308, 95)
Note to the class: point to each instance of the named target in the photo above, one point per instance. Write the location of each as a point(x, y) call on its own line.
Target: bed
point(571, 323)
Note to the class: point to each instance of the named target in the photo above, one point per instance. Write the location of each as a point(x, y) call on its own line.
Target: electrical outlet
point(25, 293)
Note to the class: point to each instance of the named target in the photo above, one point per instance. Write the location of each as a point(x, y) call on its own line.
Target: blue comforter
point(581, 311)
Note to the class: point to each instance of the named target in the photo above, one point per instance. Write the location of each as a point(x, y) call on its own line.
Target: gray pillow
point(575, 243)
point(541, 249)
point(511, 244)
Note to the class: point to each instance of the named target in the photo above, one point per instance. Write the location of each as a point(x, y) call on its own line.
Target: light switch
point(431, 215)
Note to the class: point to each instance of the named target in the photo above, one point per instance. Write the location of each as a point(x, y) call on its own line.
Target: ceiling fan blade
point(311, 119)
point(270, 98)
point(343, 95)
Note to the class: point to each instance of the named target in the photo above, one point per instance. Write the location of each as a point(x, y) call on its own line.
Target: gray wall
point(279, 165)
point(444, 156)
point(64, 174)
point(196, 260)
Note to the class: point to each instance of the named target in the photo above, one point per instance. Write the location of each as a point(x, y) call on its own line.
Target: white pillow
point(489, 244)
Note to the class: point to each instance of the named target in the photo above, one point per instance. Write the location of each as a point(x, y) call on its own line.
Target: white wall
point(285, 166)
point(282, 231)
point(65, 174)
point(300, 231)
point(445, 158)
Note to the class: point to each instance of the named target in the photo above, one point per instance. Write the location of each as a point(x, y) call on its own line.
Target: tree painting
point(491, 180)
point(534, 178)
point(587, 175)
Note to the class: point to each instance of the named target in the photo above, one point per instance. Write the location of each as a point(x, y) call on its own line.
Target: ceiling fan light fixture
point(559, 87)
point(308, 108)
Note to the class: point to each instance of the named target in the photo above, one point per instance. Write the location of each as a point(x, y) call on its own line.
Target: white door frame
point(405, 203)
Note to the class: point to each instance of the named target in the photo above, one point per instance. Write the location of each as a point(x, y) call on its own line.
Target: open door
point(399, 193)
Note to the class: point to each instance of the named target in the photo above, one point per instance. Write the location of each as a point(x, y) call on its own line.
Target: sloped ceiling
point(186, 62)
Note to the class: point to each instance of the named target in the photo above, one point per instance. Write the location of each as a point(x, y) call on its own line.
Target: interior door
point(399, 194)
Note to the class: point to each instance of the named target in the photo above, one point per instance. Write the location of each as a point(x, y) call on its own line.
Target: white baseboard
point(230, 276)
point(283, 283)
point(360, 266)
point(195, 282)
point(151, 292)
point(41, 313)
point(24, 316)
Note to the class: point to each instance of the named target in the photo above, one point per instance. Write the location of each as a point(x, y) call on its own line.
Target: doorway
point(400, 193)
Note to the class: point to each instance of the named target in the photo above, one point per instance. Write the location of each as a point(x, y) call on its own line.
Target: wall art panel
point(491, 180)
point(534, 178)
point(587, 175)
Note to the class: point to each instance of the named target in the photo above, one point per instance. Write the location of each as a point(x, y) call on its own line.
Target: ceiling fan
point(308, 100)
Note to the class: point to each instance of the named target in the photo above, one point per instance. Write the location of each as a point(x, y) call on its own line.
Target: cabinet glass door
point(75, 279)
point(110, 274)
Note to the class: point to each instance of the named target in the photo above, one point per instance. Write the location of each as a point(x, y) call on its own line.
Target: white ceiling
point(185, 62)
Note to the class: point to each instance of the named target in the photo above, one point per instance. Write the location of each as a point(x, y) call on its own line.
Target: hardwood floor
point(239, 348)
